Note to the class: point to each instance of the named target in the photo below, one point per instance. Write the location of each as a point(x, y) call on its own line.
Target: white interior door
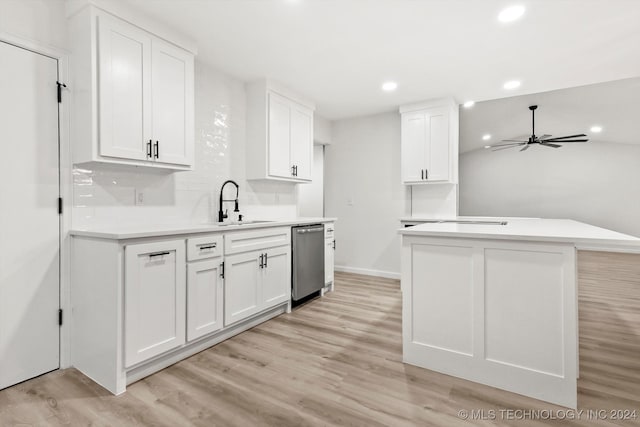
point(29, 223)
point(172, 89)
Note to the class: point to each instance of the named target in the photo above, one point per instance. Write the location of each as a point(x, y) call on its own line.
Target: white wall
point(363, 190)
point(311, 195)
point(597, 183)
point(104, 195)
point(38, 21)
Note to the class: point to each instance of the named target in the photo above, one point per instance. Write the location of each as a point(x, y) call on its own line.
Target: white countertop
point(121, 232)
point(584, 236)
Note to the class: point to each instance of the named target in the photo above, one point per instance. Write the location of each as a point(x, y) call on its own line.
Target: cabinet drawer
point(328, 231)
point(204, 247)
point(244, 241)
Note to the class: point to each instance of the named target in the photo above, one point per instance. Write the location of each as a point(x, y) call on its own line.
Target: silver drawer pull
point(213, 246)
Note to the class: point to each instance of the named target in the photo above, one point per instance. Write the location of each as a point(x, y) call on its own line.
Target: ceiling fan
point(544, 140)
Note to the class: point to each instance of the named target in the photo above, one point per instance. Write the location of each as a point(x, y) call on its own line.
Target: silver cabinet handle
point(212, 246)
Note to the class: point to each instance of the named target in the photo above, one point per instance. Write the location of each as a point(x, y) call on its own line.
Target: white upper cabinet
point(123, 82)
point(172, 104)
point(430, 142)
point(133, 95)
point(279, 134)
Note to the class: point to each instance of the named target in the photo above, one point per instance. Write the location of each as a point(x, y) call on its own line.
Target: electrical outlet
point(139, 198)
point(350, 201)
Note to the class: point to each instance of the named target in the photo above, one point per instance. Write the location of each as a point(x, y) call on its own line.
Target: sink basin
point(462, 221)
point(224, 224)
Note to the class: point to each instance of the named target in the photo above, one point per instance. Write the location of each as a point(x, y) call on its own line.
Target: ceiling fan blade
point(504, 148)
point(505, 145)
point(567, 140)
point(546, 144)
point(545, 136)
point(569, 136)
point(526, 147)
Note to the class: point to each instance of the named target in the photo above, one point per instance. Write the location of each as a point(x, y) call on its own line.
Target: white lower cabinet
point(329, 253)
point(141, 305)
point(260, 278)
point(241, 291)
point(154, 299)
point(276, 276)
point(205, 297)
point(329, 256)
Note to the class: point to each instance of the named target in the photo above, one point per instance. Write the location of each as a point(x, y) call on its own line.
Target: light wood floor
point(337, 361)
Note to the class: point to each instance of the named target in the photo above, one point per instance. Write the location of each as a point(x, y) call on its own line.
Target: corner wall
point(363, 190)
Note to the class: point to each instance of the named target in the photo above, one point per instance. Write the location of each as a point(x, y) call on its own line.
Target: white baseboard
point(368, 272)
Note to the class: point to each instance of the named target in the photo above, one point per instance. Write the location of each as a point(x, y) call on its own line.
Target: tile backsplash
point(105, 194)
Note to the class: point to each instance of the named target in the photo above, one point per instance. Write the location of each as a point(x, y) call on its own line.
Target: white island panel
point(442, 302)
point(501, 313)
point(525, 287)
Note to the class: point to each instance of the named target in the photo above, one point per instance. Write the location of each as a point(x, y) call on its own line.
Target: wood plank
point(338, 361)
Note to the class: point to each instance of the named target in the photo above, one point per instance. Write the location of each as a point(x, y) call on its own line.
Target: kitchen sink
point(463, 221)
point(241, 223)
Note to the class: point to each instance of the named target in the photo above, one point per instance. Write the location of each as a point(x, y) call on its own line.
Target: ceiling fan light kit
point(543, 140)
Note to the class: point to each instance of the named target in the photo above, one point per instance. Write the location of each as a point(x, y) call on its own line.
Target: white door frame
point(65, 182)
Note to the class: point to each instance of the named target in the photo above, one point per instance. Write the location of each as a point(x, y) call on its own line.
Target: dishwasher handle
point(310, 230)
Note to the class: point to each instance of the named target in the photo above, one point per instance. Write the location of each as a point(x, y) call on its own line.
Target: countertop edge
point(196, 229)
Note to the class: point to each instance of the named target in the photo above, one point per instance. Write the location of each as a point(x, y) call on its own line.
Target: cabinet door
point(439, 145)
point(205, 293)
point(172, 104)
point(302, 141)
point(276, 277)
point(279, 136)
point(241, 290)
point(414, 143)
point(154, 299)
point(124, 86)
point(328, 260)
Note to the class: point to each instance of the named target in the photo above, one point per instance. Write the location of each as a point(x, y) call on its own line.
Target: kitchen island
point(496, 302)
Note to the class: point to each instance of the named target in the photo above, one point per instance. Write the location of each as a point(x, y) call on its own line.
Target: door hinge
point(60, 317)
point(59, 205)
point(60, 86)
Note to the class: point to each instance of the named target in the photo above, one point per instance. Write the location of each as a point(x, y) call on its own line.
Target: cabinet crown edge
point(269, 85)
point(135, 18)
point(432, 103)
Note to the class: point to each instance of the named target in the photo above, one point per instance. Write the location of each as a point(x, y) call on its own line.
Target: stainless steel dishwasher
point(308, 260)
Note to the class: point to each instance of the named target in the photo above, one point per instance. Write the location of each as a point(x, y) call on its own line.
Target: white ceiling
point(615, 106)
point(339, 52)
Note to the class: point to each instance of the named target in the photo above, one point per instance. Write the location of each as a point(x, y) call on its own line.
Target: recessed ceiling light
point(512, 84)
point(468, 104)
point(486, 137)
point(389, 86)
point(596, 129)
point(511, 13)
point(487, 146)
